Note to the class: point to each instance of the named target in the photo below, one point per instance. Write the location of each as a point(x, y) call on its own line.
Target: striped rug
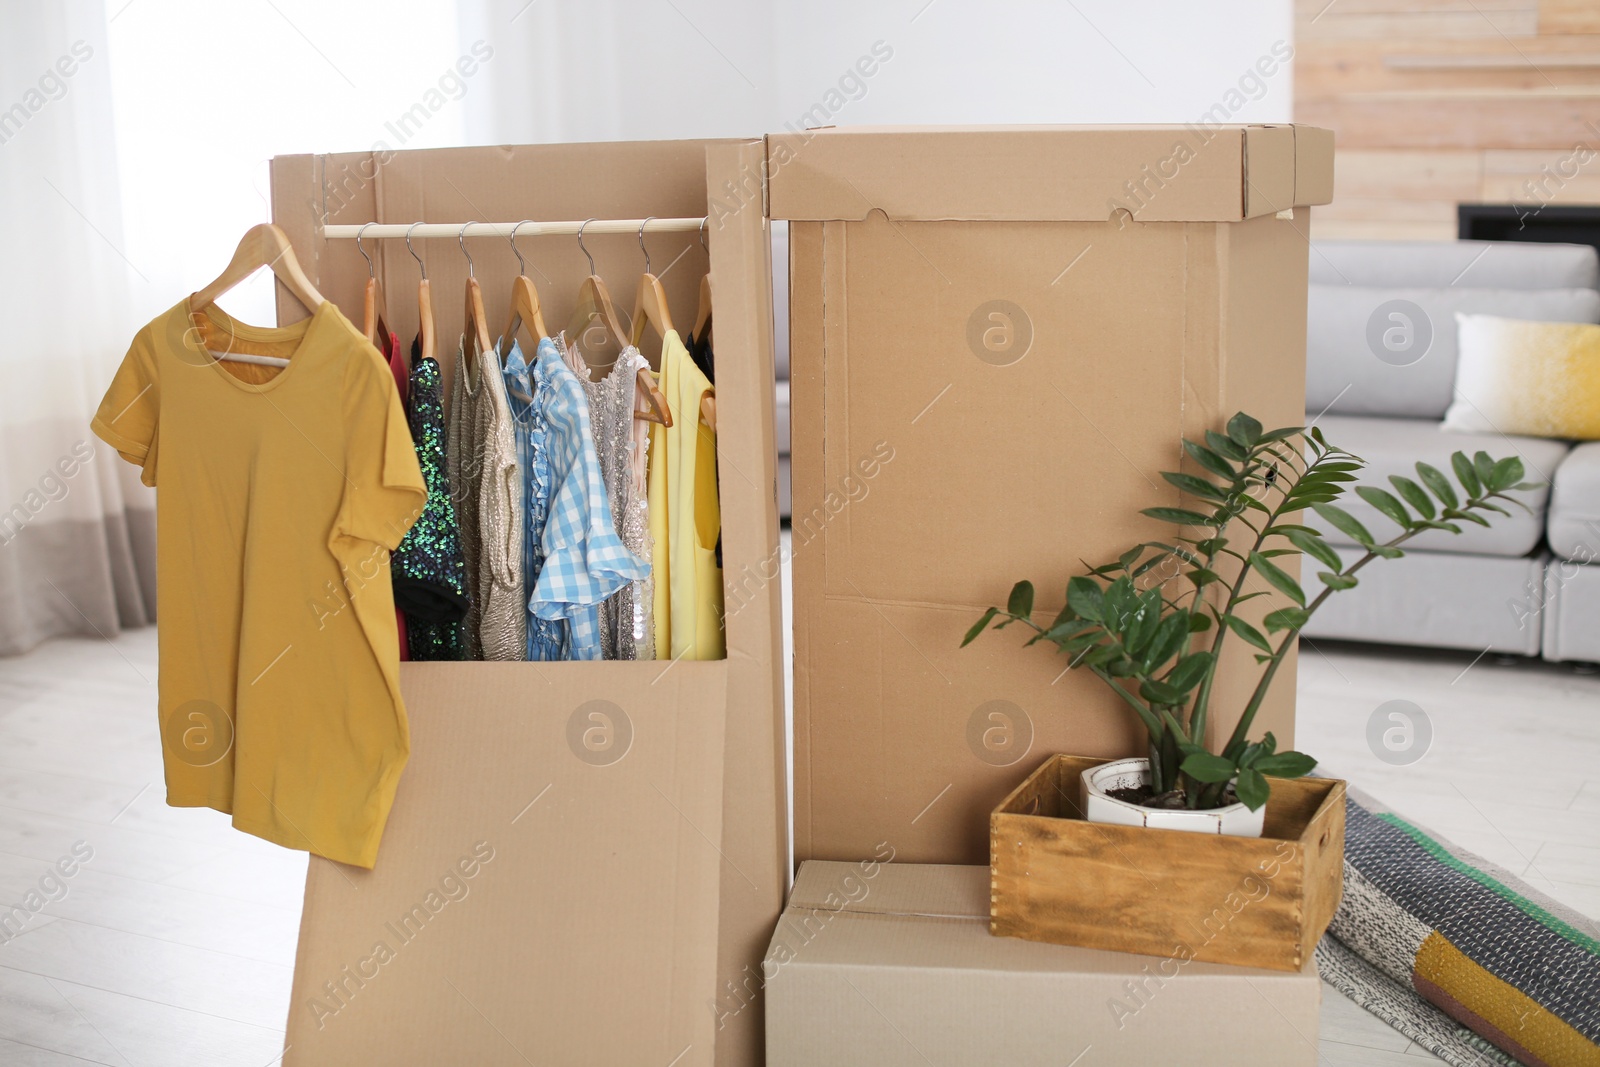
point(1458, 954)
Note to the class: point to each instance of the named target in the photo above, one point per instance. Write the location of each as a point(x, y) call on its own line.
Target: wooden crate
point(1257, 902)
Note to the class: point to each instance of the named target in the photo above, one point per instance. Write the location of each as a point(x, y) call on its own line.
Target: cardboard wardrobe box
point(998, 338)
point(892, 965)
point(581, 857)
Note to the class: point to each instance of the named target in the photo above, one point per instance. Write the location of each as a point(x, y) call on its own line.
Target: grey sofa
point(1381, 351)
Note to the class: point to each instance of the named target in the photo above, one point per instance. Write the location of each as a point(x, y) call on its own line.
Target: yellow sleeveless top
point(685, 515)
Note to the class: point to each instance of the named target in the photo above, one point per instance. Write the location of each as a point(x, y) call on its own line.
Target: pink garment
point(402, 380)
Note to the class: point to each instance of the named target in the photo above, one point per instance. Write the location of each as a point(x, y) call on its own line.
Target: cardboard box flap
point(1190, 173)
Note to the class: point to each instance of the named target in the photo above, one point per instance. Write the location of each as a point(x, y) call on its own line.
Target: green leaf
point(1190, 671)
point(1465, 474)
point(1414, 495)
point(1506, 473)
point(1130, 557)
point(1483, 464)
point(1248, 632)
point(1337, 581)
point(1225, 447)
point(1180, 516)
point(1313, 545)
point(1160, 693)
point(1199, 623)
point(1207, 767)
point(1252, 789)
point(1438, 484)
point(1280, 579)
point(1286, 764)
point(1344, 522)
point(1388, 551)
point(1203, 577)
point(1210, 460)
point(1282, 434)
point(1385, 502)
point(1168, 639)
point(1244, 430)
point(1195, 486)
point(1021, 602)
point(1285, 619)
point(1085, 597)
point(978, 627)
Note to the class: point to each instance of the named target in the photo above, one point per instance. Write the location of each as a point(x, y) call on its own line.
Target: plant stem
point(1202, 700)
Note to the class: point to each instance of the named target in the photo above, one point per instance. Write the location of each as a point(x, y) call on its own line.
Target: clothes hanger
point(263, 245)
point(425, 329)
point(373, 323)
point(524, 302)
point(702, 320)
point(594, 301)
point(650, 305)
point(476, 322)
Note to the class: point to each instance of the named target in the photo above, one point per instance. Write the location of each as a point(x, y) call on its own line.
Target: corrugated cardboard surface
point(1188, 173)
point(891, 964)
point(976, 402)
point(612, 899)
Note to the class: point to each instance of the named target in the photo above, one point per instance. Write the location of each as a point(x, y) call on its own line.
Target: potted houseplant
point(1152, 624)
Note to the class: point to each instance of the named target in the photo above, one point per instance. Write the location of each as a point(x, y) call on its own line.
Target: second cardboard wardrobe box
point(998, 337)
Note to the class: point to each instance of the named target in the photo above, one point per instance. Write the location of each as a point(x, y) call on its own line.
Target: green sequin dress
point(430, 575)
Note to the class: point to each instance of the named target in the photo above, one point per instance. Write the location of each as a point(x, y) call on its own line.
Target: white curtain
point(77, 530)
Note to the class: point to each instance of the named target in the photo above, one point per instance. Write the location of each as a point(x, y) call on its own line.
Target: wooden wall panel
point(1439, 102)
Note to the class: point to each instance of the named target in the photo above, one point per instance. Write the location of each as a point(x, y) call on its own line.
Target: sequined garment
point(548, 639)
point(430, 577)
point(488, 497)
point(585, 562)
point(627, 619)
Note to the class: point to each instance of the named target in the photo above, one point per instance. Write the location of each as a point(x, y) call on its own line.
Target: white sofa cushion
point(1393, 446)
point(1443, 264)
point(1574, 524)
point(1388, 351)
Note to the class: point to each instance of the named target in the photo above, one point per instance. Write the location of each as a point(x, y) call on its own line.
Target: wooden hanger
point(373, 324)
point(524, 303)
point(650, 306)
point(594, 301)
point(708, 409)
point(263, 245)
point(425, 329)
point(476, 322)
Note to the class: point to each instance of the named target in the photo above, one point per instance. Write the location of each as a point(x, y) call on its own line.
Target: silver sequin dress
point(627, 618)
point(488, 494)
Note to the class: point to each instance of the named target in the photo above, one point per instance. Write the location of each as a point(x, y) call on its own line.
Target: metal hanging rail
point(380, 230)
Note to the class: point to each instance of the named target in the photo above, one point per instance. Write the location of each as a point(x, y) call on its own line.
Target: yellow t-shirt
point(280, 493)
point(685, 515)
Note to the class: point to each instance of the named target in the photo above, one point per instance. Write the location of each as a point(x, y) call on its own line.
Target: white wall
point(206, 93)
point(622, 69)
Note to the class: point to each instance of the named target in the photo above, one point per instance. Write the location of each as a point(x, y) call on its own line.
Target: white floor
point(174, 943)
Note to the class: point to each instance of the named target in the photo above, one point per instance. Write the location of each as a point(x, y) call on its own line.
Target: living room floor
point(175, 942)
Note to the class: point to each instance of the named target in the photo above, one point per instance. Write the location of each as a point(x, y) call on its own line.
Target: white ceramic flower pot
point(1235, 820)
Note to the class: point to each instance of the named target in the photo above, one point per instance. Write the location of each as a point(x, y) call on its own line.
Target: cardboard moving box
point(892, 965)
point(998, 337)
point(581, 856)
